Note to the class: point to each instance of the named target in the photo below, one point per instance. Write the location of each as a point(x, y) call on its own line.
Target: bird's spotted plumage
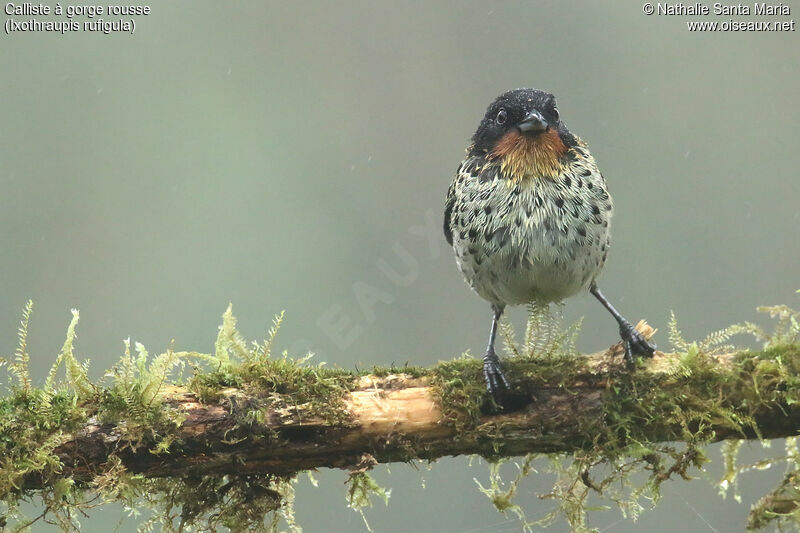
point(529, 217)
point(528, 212)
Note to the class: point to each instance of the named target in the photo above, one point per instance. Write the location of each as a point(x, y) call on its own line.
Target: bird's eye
point(501, 117)
point(555, 112)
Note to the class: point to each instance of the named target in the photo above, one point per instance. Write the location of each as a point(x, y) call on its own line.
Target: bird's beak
point(534, 123)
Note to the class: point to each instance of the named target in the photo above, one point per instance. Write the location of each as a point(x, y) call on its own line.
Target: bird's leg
point(492, 371)
point(635, 343)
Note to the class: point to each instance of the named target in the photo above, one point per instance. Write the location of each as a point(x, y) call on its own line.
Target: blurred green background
point(296, 155)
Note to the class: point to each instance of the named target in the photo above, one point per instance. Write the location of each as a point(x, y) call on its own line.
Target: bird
point(528, 216)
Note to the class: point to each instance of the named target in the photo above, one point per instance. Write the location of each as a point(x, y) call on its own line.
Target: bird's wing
point(448, 210)
point(473, 167)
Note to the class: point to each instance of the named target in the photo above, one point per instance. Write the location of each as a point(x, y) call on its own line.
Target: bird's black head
point(529, 112)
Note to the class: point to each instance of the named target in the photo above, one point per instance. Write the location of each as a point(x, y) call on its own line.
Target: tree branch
point(558, 405)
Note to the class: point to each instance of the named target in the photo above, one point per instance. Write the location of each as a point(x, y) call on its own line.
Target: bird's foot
point(635, 344)
point(493, 375)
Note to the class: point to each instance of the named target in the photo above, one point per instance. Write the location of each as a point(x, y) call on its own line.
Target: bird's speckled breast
point(530, 239)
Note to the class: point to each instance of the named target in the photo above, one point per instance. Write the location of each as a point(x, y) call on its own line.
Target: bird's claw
point(493, 375)
point(635, 344)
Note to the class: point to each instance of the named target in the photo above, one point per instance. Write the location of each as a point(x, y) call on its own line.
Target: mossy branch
point(557, 405)
point(225, 447)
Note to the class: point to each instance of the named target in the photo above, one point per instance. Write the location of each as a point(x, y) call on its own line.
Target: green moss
point(29, 418)
point(247, 503)
point(32, 424)
point(688, 404)
point(383, 371)
point(34, 421)
point(695, 402)
point(276, 383)
point(458, 387)
point(208, 386)
point(361, 487)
